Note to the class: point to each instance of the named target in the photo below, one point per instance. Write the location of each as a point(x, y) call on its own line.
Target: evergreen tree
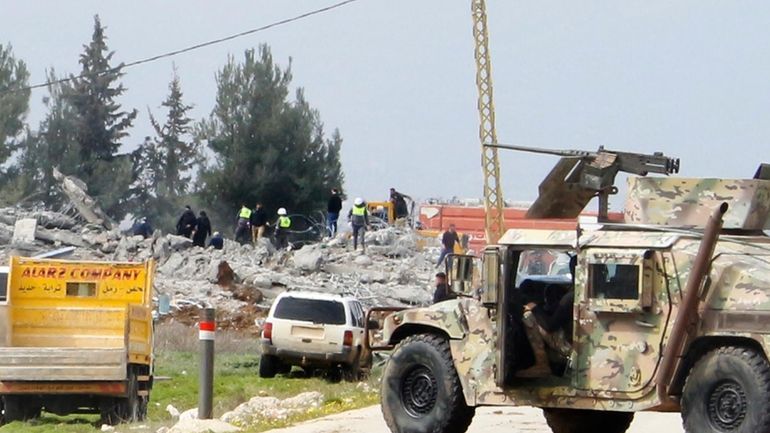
point(166, 163)
point(100, 125)
point(14, 103)
point(54, 144)
point(266, 148)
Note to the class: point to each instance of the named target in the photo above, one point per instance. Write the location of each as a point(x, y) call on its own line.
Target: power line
point(187, 49)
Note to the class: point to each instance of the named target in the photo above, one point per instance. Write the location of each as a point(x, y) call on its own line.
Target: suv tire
point(728, 390)
point(268, 366)
point(582, 421)
point(421, 391)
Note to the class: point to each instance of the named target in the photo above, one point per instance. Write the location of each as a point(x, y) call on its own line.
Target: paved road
point(487, 420)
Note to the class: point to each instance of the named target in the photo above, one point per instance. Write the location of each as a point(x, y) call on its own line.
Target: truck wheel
point(131, 408)
point(421, 391)
point(728, 390)
point(18, 408)
point(581, 421)
point(268, 366)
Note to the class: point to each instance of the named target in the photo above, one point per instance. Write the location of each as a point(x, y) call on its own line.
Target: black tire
point(728, 391)
point(352, 372)
point(132, 408)
point(421, 391)
point(268, 366)
point(587, 421)
point(20, 408)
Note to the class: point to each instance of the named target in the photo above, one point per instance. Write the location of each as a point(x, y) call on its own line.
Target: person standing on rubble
point(333, 208)
point(399, 203)
point(282, 227)
point(448, 241)
point(202, 230)
point(258, 222)
point(242, 225)
point(186, 223)
point(359, 219)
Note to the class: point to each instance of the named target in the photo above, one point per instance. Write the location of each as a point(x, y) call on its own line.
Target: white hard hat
point(282, 211)
point(358, 201)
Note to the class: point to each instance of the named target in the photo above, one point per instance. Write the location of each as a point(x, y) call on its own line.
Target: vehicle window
point(614, 281)
point(81, 290)
point(311, 310)
point(299, 223)
point(543, 262)
point(3, 287)
point(359, 315)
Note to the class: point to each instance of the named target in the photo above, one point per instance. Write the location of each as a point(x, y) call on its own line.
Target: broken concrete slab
point(77, 193)
point(24, 231)
point(309, 258)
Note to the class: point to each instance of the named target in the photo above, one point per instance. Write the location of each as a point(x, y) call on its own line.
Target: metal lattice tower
point(490, 164)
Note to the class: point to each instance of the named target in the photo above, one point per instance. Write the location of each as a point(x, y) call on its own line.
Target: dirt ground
point(487, 420)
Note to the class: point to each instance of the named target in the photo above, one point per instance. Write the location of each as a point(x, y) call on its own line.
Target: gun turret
point(582, 175)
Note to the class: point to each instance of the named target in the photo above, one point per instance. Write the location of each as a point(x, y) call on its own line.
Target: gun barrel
point(556, 152)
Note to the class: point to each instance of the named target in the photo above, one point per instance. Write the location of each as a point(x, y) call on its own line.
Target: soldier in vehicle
point(550, 324)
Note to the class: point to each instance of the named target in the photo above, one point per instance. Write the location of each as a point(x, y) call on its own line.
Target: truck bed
point(62, 364)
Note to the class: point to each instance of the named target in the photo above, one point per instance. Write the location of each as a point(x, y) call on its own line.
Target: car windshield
point(310, 310)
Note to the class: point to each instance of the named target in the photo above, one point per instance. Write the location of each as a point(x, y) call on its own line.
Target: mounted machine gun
point(581, 175)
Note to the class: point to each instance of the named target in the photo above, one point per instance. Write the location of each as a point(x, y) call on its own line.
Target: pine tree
point(267, 148)
point(100, 125)
point(167, 162)
point(54, 144)
point(14, 102)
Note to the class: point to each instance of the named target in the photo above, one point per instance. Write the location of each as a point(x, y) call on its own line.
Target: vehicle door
point(309, 325)
point(622, 309)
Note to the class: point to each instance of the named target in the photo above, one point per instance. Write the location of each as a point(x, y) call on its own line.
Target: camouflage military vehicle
point(671, 312)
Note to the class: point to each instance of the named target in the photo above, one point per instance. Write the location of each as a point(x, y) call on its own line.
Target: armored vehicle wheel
point(268, 366)
point(582, 421)
point(728, 390)
point(421, 390)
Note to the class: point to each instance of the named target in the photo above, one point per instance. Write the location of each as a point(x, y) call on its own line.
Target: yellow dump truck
point(76, 337)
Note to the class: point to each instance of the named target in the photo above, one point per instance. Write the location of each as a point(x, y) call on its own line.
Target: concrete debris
point(270, 408)
point(240, 280)
point(77, 192)
point(201, 426)
point(174, 412)
point(308, 258)
point(24, 231)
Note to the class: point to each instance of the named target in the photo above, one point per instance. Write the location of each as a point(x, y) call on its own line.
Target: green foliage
point(99, 125)
point(14, 104)
point(266, 147)
point(165, 164)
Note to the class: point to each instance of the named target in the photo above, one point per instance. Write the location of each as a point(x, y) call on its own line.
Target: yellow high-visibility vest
point(284, 222)
point(245, 213)
point(359, 211)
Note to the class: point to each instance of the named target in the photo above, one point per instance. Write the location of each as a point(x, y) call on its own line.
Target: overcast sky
point(689, 78)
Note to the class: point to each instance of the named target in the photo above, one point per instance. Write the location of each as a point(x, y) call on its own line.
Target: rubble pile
point(239, 280)
point(270, 408)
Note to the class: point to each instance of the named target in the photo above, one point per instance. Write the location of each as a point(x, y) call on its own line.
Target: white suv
point(314, 330)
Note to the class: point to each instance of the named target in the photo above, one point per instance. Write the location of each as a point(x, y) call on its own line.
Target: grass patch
point(235, 381)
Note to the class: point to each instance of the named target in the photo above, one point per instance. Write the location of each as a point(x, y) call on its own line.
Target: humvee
point(671, 312)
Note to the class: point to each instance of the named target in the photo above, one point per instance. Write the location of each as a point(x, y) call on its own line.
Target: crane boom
point(490, 164)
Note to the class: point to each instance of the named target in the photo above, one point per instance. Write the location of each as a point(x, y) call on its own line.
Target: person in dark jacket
point(217, 241)
point(186, 223)
point(399, 203)
point(258, 222)
point(142, 228)
point(448, 241)
point(359, 219)
point(442, 292)
point(202, 230)
point(333, 208)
